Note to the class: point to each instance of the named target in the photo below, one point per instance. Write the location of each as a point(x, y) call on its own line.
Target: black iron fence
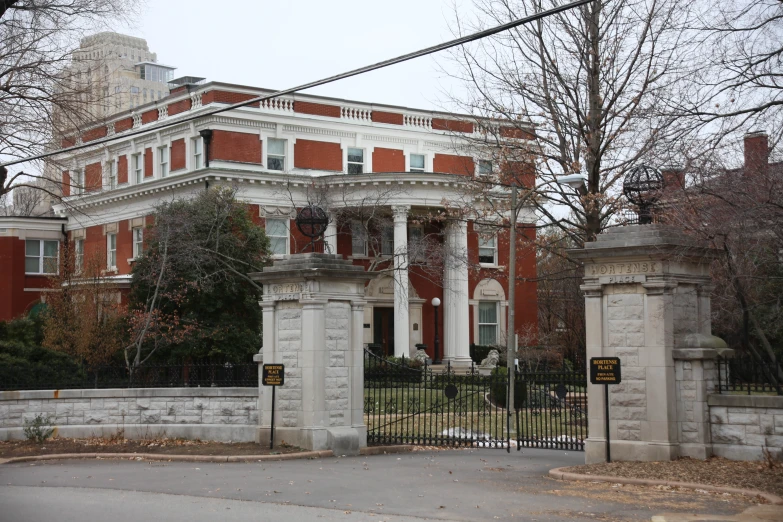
point(746, 374)
point(191, 374)
point(410, 403)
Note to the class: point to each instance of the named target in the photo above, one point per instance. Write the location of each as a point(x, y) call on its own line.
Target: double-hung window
point(275, 156)
point(78, 181)
point(277, 232)
point(111, 251)
point(79, 255)
point(163, 156)
point(416, 247)
point(484, 167)
point(488, 323)
point(111, 175)
point(138, 242)
point(138, 169)
point(416, 163)
point(198, 153)
point(358, 239)
point(488, 247)
point(355, 160)
point(41, 256)
point(387, 241)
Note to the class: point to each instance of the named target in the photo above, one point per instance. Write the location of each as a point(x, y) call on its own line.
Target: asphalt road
point(464, 485)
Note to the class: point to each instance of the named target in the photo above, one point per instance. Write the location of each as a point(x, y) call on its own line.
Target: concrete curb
point(173, 458)
point(558, 473)
point(382, 450)
point(373, 450)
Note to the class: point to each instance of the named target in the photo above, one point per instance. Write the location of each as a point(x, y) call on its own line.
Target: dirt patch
point(716, 471)
point(18, 448)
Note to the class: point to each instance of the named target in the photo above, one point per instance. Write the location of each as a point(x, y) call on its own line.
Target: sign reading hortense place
point(273, 375)
point(605, 370)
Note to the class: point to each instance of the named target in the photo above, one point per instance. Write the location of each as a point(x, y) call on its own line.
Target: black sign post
point(273, 375)
point(606, 371)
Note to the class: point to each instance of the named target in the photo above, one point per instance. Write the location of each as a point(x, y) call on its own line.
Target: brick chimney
point(673, 178)
point(756, 152)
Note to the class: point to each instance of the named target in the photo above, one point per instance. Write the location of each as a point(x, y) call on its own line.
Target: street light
point(575, 181)
point(436, 359)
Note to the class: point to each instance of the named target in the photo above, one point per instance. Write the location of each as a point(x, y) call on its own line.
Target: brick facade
point(149, 116)
point(309, 154)
point(148, 162)
point(235, 146)
point(451, 164)
point(177, 155)
point(318, 109)
point(122, 169)
point(392, 118)
point(388, 160)
point(93, 177)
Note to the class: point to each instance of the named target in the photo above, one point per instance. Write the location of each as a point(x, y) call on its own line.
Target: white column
point(330, 236)
point(401, 319)
point(456, 313)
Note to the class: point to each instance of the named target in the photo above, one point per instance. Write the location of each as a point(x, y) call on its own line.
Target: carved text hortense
point(642, 267)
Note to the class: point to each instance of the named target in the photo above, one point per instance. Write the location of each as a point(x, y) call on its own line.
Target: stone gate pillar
point(313, 312)
point(647, 302)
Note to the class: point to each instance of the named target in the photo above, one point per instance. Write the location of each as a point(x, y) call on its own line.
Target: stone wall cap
point(694, 354)
point(745, 401)
point(699, 341)
point(638, 240)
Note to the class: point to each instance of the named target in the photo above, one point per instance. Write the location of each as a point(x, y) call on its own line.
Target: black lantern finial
point(642, 186)
point(311, 222)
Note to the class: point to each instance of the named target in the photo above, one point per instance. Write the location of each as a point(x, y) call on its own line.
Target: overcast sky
point(282, 44)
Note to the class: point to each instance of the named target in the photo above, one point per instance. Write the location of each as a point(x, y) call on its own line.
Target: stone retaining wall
point(222, 414)
point(741, 425)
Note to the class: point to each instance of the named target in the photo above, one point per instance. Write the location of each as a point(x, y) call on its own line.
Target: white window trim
point(78, 256)
point(109, 266)
point(192, 156)
point(496, 323)
point(365, 164)
point(77, 181)
point(160, 162)
point(408, 162)
point(41, 257)
point(419, 256)
point(478, 167)
point(355, 225)
point(481, 232)
point(138, 246)
point(138, 174)
point(111, 170)
point(286, 156)
point(287, 221)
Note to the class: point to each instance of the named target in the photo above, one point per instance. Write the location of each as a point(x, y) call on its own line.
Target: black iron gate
point(409, 403)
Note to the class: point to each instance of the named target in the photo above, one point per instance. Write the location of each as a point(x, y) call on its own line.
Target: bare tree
point(735, 82)
point(590, 81)
point(41, 99)
point(740, 214)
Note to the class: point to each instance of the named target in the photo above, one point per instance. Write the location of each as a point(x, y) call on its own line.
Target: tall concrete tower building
point(121, 72)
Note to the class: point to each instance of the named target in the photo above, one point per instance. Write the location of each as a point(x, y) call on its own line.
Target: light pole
point(436, 358)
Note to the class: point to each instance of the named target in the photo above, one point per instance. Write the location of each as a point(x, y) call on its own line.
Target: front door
point(383, 329)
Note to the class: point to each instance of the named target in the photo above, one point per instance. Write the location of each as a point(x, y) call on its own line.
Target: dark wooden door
point(383, 329)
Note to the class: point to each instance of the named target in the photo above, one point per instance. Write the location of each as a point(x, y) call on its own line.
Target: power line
point(380, 65)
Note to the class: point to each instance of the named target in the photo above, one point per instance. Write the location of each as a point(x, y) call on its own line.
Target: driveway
point(464, 485)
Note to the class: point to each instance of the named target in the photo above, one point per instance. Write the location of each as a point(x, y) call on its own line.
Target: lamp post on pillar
point(436, 354)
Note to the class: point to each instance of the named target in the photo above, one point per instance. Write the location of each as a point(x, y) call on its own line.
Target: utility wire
point(380, 65)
